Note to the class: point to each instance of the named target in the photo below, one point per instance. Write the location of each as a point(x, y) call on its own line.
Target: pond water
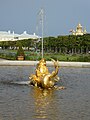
point(22, 102)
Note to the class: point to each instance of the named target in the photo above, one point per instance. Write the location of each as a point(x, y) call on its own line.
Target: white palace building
point(8, 36)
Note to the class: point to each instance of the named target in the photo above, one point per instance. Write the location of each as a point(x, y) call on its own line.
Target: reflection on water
point(45, 104)
point(22, 102)
point(43, 99)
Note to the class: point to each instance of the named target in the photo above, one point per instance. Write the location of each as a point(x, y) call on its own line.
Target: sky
point(59, 16)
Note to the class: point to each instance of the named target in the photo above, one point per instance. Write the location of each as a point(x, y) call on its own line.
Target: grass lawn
point(11, 55)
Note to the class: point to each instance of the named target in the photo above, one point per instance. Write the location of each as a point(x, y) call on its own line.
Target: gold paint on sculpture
point(42, 78)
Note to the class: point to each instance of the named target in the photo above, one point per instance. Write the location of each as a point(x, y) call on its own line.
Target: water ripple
point(21, 102)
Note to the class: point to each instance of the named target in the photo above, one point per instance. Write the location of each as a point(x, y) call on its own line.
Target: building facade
point(8, 36)
point(79, 30)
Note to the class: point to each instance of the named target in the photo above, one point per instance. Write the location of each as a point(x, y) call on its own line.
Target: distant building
point(8, 36)
point(79, 30)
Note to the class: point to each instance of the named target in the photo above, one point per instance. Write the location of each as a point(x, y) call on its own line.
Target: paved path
point(1, 59)
point(49, 63)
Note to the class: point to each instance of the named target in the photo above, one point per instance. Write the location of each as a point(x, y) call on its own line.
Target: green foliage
point(20, 52)
point(8, 56)
point(63, 48)
point(84, 58)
